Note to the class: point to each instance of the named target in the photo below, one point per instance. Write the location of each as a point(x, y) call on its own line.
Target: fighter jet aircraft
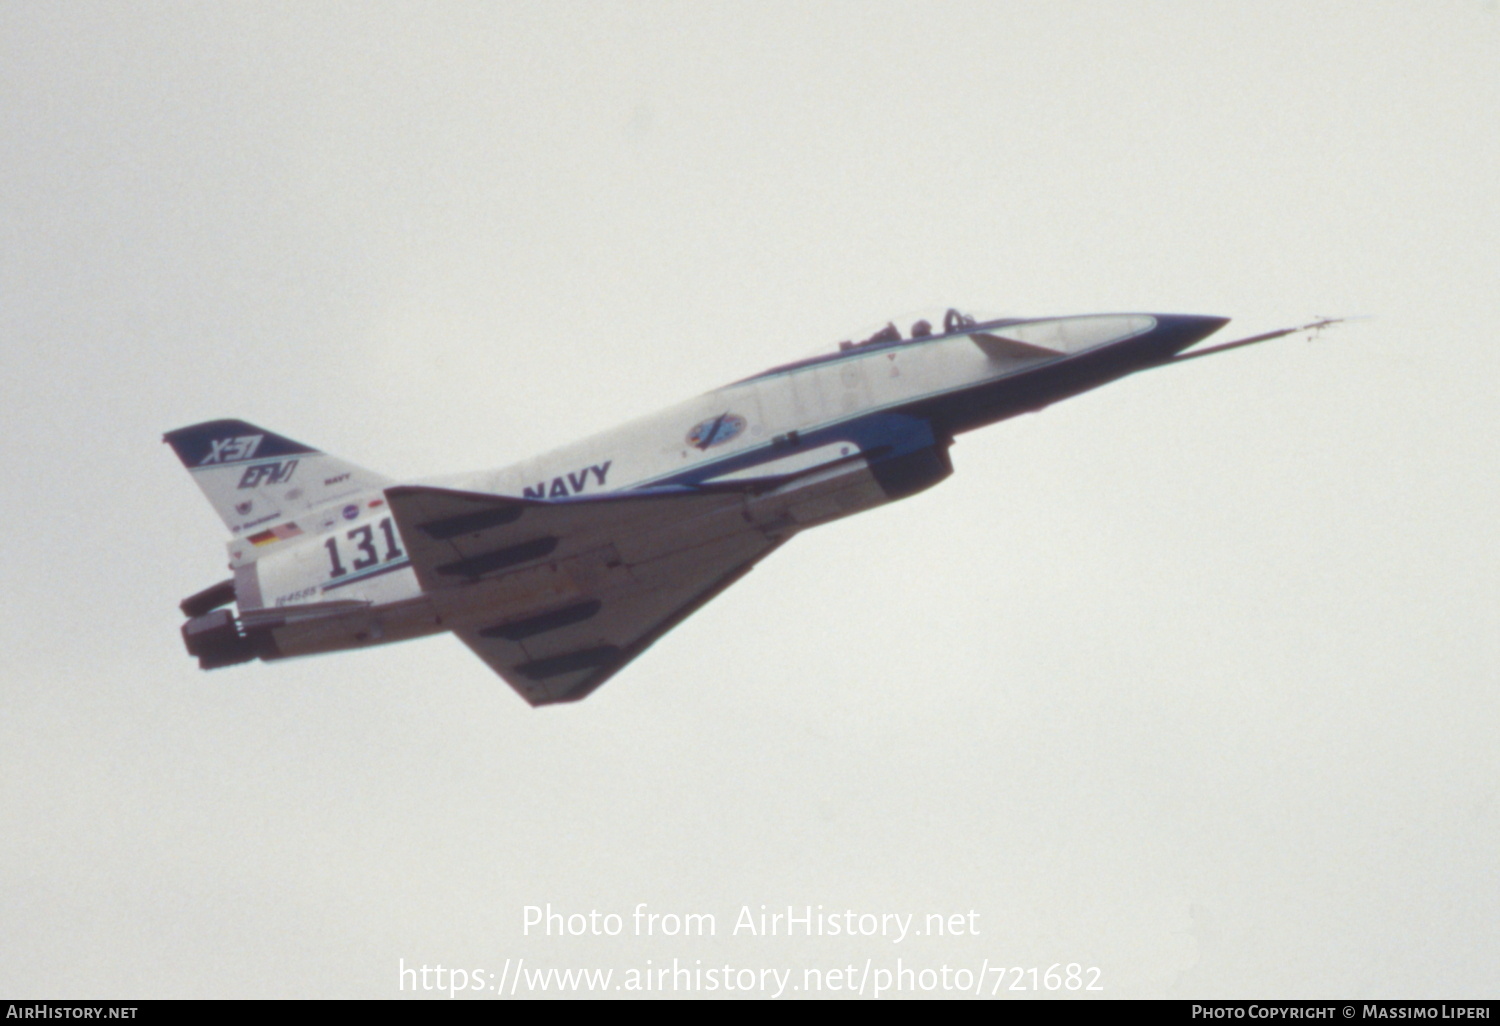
point(559, 570)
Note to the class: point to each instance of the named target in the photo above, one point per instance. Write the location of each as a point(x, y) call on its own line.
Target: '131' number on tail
point(365, 553)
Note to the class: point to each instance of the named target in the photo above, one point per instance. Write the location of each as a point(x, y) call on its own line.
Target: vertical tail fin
point(255, 477)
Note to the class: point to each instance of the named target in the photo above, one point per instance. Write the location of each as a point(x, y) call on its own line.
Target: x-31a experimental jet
point(559, 570)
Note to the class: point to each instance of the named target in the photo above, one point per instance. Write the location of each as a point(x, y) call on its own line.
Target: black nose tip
point(1178, 331)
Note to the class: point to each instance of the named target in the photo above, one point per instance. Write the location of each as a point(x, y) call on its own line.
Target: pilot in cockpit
point(953, 320)
point(889, 333)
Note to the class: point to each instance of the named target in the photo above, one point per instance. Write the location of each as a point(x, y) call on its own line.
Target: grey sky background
point(1191, 679)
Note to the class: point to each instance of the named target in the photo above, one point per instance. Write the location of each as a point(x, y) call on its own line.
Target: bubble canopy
point(919, 325)
point(916, 326)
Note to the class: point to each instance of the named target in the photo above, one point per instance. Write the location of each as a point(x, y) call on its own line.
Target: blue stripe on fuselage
point(364, 575)
point(949, 412)
point(876, 435)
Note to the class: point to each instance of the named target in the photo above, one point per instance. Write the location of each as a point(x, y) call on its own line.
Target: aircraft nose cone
point(1176, 332)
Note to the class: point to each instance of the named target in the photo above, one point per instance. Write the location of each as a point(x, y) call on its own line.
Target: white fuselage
point(829, 437)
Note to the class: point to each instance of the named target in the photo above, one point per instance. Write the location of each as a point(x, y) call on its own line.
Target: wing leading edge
point(558, 596)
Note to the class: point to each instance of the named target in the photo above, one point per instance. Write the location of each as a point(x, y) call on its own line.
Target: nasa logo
point(716, 430)
point(350, 512)
point(244, 507)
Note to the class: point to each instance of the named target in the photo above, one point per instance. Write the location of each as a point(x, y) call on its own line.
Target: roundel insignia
point(350, 512)
point(716, 430)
